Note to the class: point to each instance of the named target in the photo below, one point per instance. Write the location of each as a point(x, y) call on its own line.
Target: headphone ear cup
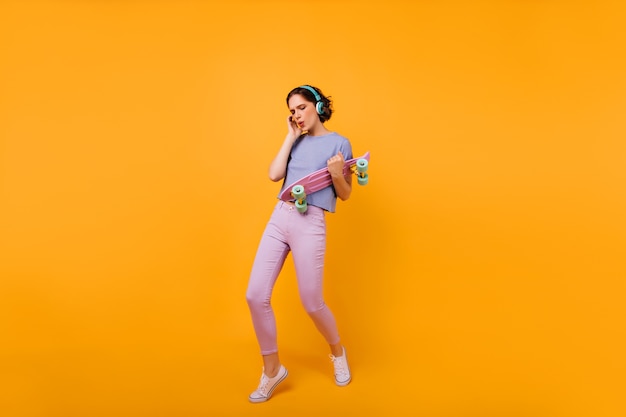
point(319, 107)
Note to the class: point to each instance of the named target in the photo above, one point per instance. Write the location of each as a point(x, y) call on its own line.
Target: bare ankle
point(336, 350)
point(271, 365)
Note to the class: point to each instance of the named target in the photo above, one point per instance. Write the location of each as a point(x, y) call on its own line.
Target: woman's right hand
point(278, 167)
point(294, 130)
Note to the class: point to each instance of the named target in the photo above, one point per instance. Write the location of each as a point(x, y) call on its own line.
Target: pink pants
point(305, 236)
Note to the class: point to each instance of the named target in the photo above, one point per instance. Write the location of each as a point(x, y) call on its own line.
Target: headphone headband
point(312, 90)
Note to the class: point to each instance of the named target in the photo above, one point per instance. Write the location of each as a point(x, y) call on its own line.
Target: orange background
point(480, 273)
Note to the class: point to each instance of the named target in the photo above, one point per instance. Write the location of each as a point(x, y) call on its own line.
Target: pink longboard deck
point(319, 179)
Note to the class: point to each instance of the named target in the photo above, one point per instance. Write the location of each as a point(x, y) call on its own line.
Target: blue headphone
point(319, 105)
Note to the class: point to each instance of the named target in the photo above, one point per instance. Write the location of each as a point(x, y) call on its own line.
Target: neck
point(318, 130)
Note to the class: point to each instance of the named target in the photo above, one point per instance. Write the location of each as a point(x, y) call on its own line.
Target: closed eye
point(299, 108)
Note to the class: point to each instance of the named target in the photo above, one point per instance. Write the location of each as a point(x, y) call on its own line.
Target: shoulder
point(342, 144)
point(339, 138)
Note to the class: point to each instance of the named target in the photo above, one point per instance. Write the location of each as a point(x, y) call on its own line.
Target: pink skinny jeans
point(305, 236)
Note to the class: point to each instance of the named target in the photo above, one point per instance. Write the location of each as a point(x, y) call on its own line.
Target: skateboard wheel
point(301, 205)
point(362, 179)
point(298, 192)
point(361, 165)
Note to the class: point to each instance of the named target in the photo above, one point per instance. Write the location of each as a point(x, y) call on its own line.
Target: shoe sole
point(269, 394)
point(343, 384)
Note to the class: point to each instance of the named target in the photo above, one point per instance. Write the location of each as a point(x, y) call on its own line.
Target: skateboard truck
point(360, 170)
point(298, 193)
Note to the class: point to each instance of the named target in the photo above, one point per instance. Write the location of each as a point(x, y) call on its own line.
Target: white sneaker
point(267, 386)
point(342, 370)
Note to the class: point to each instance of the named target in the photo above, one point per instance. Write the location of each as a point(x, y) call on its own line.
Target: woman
point(308, 146)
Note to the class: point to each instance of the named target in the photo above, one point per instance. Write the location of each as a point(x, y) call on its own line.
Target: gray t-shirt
point(310, 153)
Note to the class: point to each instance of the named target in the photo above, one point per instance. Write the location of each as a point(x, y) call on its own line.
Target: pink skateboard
point(319, 179)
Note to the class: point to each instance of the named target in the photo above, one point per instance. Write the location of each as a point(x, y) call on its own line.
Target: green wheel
point(363, 179)
point(301, 205)
point(298, 192)
point(361, 165)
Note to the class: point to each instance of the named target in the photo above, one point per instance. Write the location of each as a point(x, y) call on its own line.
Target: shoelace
point(339, 366)
point(262, 389)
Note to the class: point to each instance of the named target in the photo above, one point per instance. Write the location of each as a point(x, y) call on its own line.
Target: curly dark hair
point(327, 110)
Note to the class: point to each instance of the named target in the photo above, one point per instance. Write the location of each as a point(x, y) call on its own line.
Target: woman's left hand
point(335, 165)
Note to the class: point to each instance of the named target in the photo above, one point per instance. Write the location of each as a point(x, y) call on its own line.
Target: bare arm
point(342, 184)
point(278, 167)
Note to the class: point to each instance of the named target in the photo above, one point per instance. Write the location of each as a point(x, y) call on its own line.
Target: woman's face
point(303, 112)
